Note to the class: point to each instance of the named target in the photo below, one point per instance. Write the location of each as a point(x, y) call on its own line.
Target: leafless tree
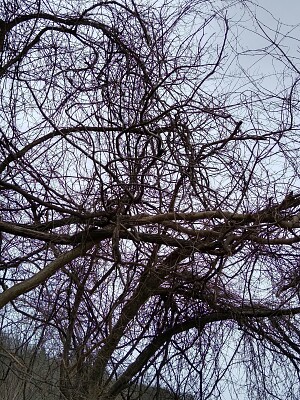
point(150, 201)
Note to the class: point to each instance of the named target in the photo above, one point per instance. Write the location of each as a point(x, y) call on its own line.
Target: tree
point(26, 372)
point(150, 197)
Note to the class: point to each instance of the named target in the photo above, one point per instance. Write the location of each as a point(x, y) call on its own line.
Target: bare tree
point(150, 199)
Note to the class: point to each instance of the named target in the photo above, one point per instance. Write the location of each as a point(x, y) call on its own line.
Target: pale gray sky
point(288, 11)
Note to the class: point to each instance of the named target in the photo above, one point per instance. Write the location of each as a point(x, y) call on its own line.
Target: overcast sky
point(288, 11)
point(286, 15)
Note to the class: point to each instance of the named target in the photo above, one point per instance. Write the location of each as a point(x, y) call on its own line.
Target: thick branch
point(41, 276)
